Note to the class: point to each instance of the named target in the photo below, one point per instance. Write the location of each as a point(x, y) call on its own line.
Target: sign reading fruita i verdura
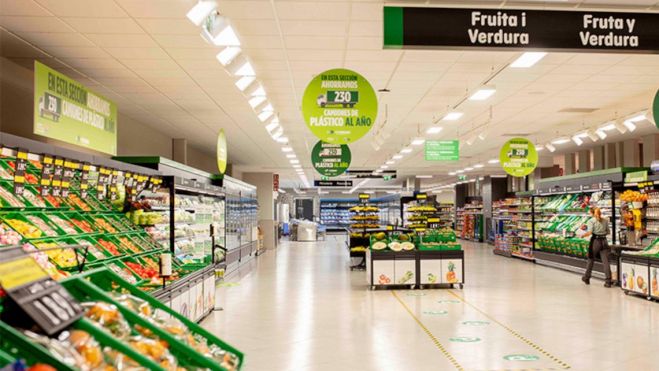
point(547, 30)
point(339, 106)
point(518, 157)
point(442, 150)
point(330, 159)
point(65, 110)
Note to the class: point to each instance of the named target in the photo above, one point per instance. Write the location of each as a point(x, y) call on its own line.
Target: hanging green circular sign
point(339, 106)
point(655, 109)
point(518, 157)
point(330, 159)
point(221, 151)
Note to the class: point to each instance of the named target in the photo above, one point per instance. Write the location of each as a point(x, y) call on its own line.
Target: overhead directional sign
point(442, 150)
point(370, 174)
point(546, 30)
point(332, 183)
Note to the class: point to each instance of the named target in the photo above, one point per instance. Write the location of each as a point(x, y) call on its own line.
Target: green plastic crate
point(14, 344)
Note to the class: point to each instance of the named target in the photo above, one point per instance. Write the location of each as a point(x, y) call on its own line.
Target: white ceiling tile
point(325, 10)
point(314, 42)
point(260, 42)
point(181, 41)
point(104, 25)
point(76, 52)
point(180, 26)
point(315, 28)
point(246, 9)
point(33, 24)
point(55, 39)
point(156, 64)
point(192, 53)
point(83, 8)
point(366, 28)
point(137, 53)
point(22, 7)
point(364, 43)
point(122, 40)
point(256, 27)
point(156, 8)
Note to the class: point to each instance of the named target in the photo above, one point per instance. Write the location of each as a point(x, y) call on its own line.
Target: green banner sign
point(330, 159)
point(655, 109)
point(65, 110)
point(339, 106)
point(636, 176)
point(222, 153)
point(518, 157)
point(442, 150)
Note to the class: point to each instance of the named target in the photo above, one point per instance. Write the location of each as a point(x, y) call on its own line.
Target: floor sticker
point(465, 339)
point(416, 294)
point(228, 284)
point(475, 323)
point(521, 357)
point(435, 312)
point(449, 301)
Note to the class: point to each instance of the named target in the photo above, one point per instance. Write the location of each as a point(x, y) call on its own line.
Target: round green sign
point(330, 159)
point(518, 157)
point(655, 109)
point(221, 152)
point(339, 106)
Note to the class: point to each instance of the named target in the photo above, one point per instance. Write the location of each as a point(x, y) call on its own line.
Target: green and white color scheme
point(655, 109)
point(221, 152)
point(518, 157)
point(442, 150)
point(330, 159)
point(65, 110)
point(339, 106)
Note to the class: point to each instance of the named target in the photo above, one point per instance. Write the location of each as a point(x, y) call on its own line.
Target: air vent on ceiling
point(578, 110)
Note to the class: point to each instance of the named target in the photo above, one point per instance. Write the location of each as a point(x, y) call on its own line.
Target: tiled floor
point(301, 308)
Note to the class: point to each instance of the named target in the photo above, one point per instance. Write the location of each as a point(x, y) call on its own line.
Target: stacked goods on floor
point(416, 215)
point(643, 210)
point(393, 242)
point(363, 218)
point(433, 240)
point(116, 326)
point(439, 240)
point(639, 271)
point(562, 217)
point(469, 225)
point(513, 227)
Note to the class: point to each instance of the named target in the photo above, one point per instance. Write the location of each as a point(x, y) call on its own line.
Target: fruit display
point(26, 229)
point(83, 225)
point(9, 236)
point(9, 200)
point(62, 257)
point(143, 272)
point(62, 224)
point(33, 198)
point(43, 259)
point(42, 225)
point(104, 225)
point(75, 201)
point(109, 247)
point(633, 196)
point(129, 245)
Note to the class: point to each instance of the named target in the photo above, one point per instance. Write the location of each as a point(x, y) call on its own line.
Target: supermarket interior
point(298, 184)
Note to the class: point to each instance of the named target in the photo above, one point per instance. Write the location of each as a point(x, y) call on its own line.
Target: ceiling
point(147, 57)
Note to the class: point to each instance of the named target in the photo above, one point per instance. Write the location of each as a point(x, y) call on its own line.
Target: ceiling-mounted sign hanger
point(545, 30)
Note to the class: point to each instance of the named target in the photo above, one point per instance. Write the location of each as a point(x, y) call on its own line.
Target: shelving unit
point(366, 219)
point(469, 222)
point(513, 226)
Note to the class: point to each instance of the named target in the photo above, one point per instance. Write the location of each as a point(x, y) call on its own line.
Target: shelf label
point(19, 171)
point(67, 176)
point(44, 300)
point(57, 177)
point(84, 180)
point(46, 175)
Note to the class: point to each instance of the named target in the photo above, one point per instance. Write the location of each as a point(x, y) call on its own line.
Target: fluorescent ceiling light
point(591, 134)
point(268, 108)
point(265, 115)
point(539, 148)
point(621, 127)
point(384, 167)
point(608, 126)
point(271, 126)
point(629, 124)
point(218, 31)
point(369, 192)
point(472, 180)
point(424, 176)
point(255, 101)
point(406, 150)
point(390, 162)
point(528, 59)
point(244, 82)
point(228, 54)
point(418, 141)
point(286, 149)
point(469, 168)
point(258, 91)
point(378, 171)
point(578, 141)
point(277, 133)
point(245, 70)
point(291, 155)
point(550, 147)
point(470, 141)
point(601, 134)
point(478, 166)
point(482, 135)
point(397, 157)
point(346, 192)
point(452, 116)
point(201, 11)
point(483, 93)
point(240, 66)
point(560, 141)
point(434, 130)
point(452, 173)
point(281, 190)
point(459, 171)
point(282, 140)
point(493, 161)
point(295, 161)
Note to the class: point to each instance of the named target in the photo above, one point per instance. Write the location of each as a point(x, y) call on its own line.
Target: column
point(584, 161)
point(569, 163)
point(631, 153)
point(598, 158)
point(650, 149)
point(180, 150)
point(620, 154)
point(265, 196)
point(610, 156)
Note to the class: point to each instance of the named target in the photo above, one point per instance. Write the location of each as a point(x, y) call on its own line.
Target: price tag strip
point(68, 173)
point(47, 169)
point(42, 299)
point(103, 175)
point(84, 180)
point(19, 171)
point(57, 177)
point(113, 185)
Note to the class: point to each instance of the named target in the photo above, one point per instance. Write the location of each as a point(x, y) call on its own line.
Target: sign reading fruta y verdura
point(65, 110)
point(330, 159)
point(547, 30)
point(518, 157)
point(339, 106)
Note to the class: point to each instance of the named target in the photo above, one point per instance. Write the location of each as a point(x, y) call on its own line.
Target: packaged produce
point(128, 244)
point(123, 272)
point(144, 272)
point(83, 225)
point(41, 224)
point(77, 202)
point(4, 174)
point(25, 229)
point(104, 225)
point(77, 349)
point(56, 202)
point(155, 350)
point(109, 247)
point(42, 259)
point(64, 225)
point(34, 199)
point(108, 316)
point(9, 199)
point(64, 258)
point(92, 249)
point(9, 236)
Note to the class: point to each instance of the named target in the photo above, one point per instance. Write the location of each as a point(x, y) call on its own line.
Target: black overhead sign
point(546, 30)
point(332, 183)
point(370, 174)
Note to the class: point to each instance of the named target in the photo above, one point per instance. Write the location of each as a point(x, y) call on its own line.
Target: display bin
point(635, 275)
point(654, 278)
point(441, 267)
point(14, 345)
point(92, 285)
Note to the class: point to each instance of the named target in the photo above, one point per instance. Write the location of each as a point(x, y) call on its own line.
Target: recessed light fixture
point(201, 11)
point(271, 126)
point(482, 135)
point(286, 149)
point(601, 133)
point(277, 133)
point(258, 91)
point(268, 108)
point(452, 173)
point(424, 176)
point(592, 135)
point(265, 115)
point(255, 101)
point(459, 171)
point(469, 168)
point(282, 140)
point(295, 161)
point(241, 67)
point(608, 126)
point(418, 141)
point(483, 93)
point(390, 162)
point(493, 161)
point(539, 147)
point(470, 141)
point(228, 54)
point(384, 167)
point(397, 157)
point(217, 31)
point(434, 130)
point(478, 166)
point(244, 82)
point(291, 155)
point(406, 150)
point(452, 116)
point(560, 140)
point(550, 147)
point(622, 129)
point(528, 59)
point(631, 123)
point(578, 141)
point(472, 180)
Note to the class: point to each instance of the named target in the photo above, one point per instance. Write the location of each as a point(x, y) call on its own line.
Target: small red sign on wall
point(275, 182)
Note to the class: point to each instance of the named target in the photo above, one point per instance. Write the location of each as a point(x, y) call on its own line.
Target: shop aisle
point(300, 308)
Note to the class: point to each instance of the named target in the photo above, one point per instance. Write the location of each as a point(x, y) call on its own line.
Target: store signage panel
point(332, 183)
point(330, 159)
point(546, 30)
point(442, 150)
point(65, 110)
point(370, 174)
point(636, 176)
point(518, 157)
point(339, 106)
point(222, 152)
